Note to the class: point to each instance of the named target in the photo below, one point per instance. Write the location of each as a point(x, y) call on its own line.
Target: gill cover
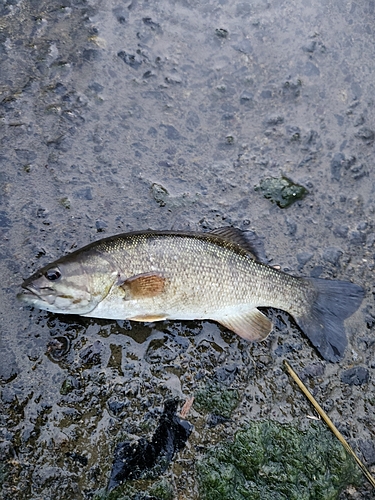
point(60, 287)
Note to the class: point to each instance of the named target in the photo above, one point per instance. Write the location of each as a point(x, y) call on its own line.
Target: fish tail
point(323, 323)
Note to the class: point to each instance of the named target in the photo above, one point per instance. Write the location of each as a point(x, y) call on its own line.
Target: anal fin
point(253, 326)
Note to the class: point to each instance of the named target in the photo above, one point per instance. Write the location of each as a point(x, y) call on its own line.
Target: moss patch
point(277, 462)
point(216, 399)
point(160, 489)
point(281, 190)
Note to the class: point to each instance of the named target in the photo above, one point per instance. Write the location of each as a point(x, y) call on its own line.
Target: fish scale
point(229, 274)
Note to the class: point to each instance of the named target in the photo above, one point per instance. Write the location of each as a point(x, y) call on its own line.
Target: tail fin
point(333, 302)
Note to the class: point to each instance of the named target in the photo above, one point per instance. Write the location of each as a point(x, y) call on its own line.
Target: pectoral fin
point(144, 285)
point(252, 326)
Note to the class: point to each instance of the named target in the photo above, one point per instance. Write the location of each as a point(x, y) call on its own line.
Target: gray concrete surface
point(128, 115)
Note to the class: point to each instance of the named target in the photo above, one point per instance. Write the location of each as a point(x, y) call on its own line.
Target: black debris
point(134, 460)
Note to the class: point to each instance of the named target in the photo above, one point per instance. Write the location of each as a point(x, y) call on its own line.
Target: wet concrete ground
point(120, 116)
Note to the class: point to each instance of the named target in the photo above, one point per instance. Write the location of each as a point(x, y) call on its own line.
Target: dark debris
point(136, 460)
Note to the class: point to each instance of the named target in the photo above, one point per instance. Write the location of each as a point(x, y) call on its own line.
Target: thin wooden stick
point(328, 421)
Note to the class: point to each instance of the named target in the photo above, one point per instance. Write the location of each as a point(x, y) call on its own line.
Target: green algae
point(217, 400)
point(160, 489)
point(277, 462)
point(281, 190)
point(66, 387)
point(3, 472)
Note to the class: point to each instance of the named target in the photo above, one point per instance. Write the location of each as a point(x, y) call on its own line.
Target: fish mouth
point(32, 294)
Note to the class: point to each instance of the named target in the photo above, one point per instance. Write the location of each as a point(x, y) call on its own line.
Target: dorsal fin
point(247, 240)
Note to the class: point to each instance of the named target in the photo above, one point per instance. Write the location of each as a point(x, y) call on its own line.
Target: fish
point(152, 276)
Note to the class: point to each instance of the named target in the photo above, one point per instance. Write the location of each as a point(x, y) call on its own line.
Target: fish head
point(66, 286)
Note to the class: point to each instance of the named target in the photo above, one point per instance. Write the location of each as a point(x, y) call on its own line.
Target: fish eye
point(52, 274)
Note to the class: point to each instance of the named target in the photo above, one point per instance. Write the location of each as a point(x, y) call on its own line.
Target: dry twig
point(328, 421)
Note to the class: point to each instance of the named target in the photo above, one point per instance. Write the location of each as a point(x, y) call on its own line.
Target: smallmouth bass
point(156, 275)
